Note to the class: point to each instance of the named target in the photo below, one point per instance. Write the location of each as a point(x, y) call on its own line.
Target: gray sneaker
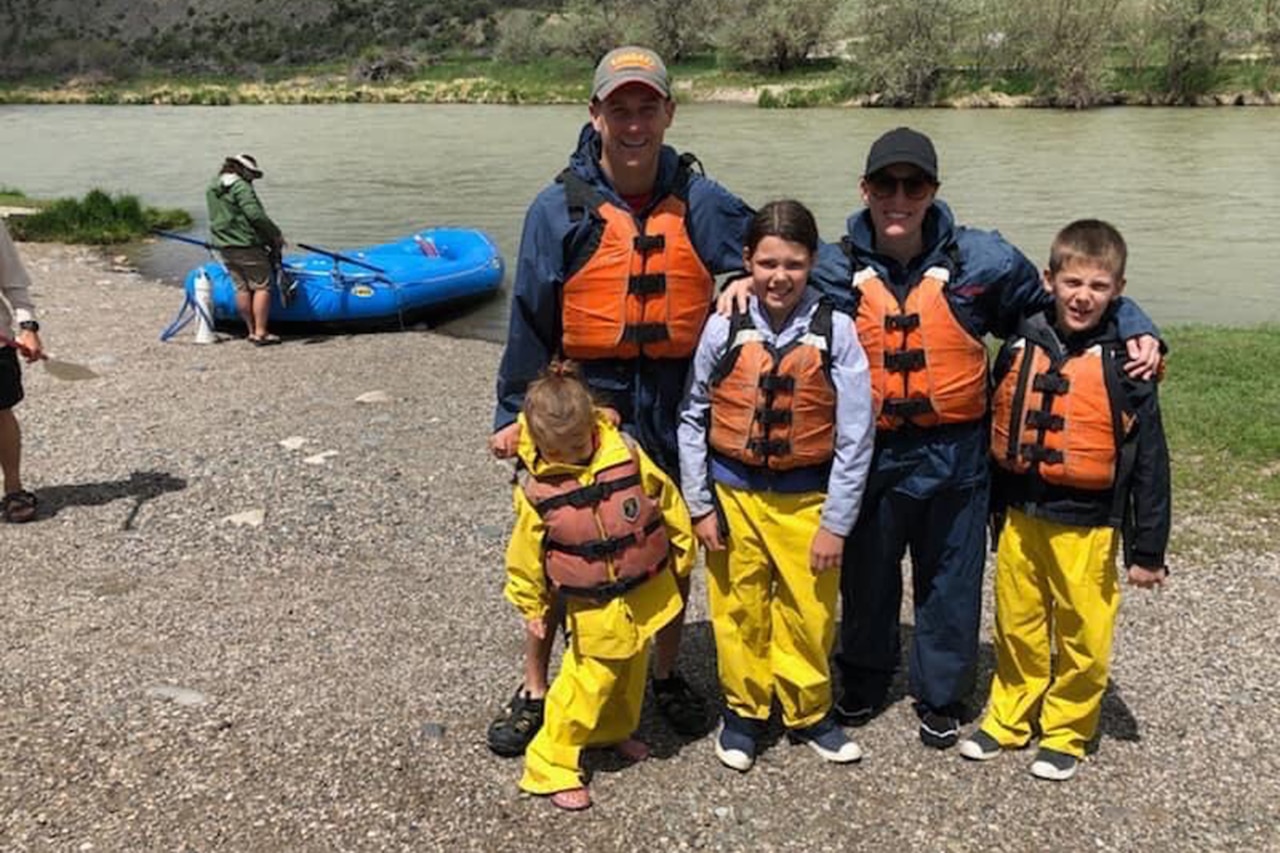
point(1053, 765)
point(980, 746)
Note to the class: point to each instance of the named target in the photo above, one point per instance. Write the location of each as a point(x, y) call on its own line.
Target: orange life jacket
point(926, 368)
point(642, 289)
point(770, 407)
point(603, 539)
point(1060, 415)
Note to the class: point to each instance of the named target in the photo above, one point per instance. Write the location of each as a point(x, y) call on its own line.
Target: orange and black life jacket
point(1061, 416)
point(926, 368)
point(639, 286)
point(775, 407)
point(603, 539)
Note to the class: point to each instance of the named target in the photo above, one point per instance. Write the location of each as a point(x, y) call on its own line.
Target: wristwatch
point(29, 326)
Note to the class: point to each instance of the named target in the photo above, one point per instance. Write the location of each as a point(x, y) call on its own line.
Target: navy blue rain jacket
point(996, 286)
point(646, 392)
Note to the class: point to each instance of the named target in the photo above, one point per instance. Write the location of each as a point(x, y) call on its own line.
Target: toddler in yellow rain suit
point(1080, 453)
point(775, 443)
point(597, 520)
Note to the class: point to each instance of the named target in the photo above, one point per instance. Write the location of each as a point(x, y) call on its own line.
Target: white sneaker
point(1053, 765)
point(735, 749)
point(829, 741)
point(980, 746)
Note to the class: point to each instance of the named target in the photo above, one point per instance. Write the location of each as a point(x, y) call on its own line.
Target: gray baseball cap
point(630, 64)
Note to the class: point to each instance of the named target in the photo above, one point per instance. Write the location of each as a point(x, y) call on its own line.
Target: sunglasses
point(883, 185)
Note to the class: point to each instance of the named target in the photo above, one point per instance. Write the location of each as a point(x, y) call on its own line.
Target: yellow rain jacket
point(618, 628)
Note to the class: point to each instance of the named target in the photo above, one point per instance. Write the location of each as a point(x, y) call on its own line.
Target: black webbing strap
point(772, 382)
point(645, 333)
point(1051, 383)
point(647, 284)
point(609, 591)
point(1019, 400)
point(587, 495)
point(1045, 420)
point(770, 417)
point(602, 548)
point(906, 407)
point(901, 322)
point(1036, 453)
point(904, 361)
point(769, 446)
point(645, 243)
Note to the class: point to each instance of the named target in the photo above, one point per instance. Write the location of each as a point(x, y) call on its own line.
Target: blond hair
point(1089, 240)
point(558, 407)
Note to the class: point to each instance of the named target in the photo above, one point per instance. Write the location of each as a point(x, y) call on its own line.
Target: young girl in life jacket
point(602, 526)
point(775, 443)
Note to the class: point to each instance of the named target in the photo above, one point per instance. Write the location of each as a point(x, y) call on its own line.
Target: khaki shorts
point(249, 267)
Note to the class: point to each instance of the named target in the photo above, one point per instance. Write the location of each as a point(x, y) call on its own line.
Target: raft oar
point(344, 258)
point(181, 239)
point(56, 367)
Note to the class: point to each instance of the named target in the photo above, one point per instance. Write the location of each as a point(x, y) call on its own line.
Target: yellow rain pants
point(592, 702)
point(773, 616)
point(1054, 583)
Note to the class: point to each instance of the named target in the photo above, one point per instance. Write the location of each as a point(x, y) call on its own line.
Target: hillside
point(225, 36)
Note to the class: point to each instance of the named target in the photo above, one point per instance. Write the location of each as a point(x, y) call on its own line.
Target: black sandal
point(19, 507)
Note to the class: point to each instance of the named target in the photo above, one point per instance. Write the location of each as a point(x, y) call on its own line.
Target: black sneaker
point(520, 720)
point(684, 709)
point(940, 731)
point(853, 711)
point(1053, 765)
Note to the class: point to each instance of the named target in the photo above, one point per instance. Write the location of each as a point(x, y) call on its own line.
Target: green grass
point(97, 219)
point(1220, 401)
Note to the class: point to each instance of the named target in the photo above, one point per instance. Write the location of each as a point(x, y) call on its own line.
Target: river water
point(1194, 191)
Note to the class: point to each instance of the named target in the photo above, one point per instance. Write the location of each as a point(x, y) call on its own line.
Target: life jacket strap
point(769, 447)
point(911, 407)
point(602, 548)
point(904, 361)
point(647, 284)
point(611, 590)
point(646, 243)
point(587, 496)
point(645, 333)
point(902, 322)
point(1038, 453)
point(1051, 383)
point(1040, 419)
point(774, 382)
point(770, 417)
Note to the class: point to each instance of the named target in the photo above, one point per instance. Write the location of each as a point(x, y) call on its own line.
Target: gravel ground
point(172, 680)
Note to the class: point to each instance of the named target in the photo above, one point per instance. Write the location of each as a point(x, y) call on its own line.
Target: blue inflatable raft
point(378, 285)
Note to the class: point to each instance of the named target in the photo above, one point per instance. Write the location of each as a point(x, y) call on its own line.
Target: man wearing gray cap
point(616, 270)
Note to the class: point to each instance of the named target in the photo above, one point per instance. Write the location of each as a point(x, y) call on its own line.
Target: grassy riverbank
point(97, 219)
point(1219, 399)
point(830, 83)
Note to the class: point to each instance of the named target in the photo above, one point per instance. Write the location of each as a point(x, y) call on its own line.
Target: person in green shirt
point(249, 242)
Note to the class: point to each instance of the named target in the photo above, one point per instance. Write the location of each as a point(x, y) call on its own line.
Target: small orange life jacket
point(642, 289)
point(1060, 415)
point(602, 539)
point(926, 368)
point(771, 407)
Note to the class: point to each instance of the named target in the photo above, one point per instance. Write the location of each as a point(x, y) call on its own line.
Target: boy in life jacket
point(1080, 455)
point(775, 444)
point(601, 527)
point(615, 270)
point(925, 291)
